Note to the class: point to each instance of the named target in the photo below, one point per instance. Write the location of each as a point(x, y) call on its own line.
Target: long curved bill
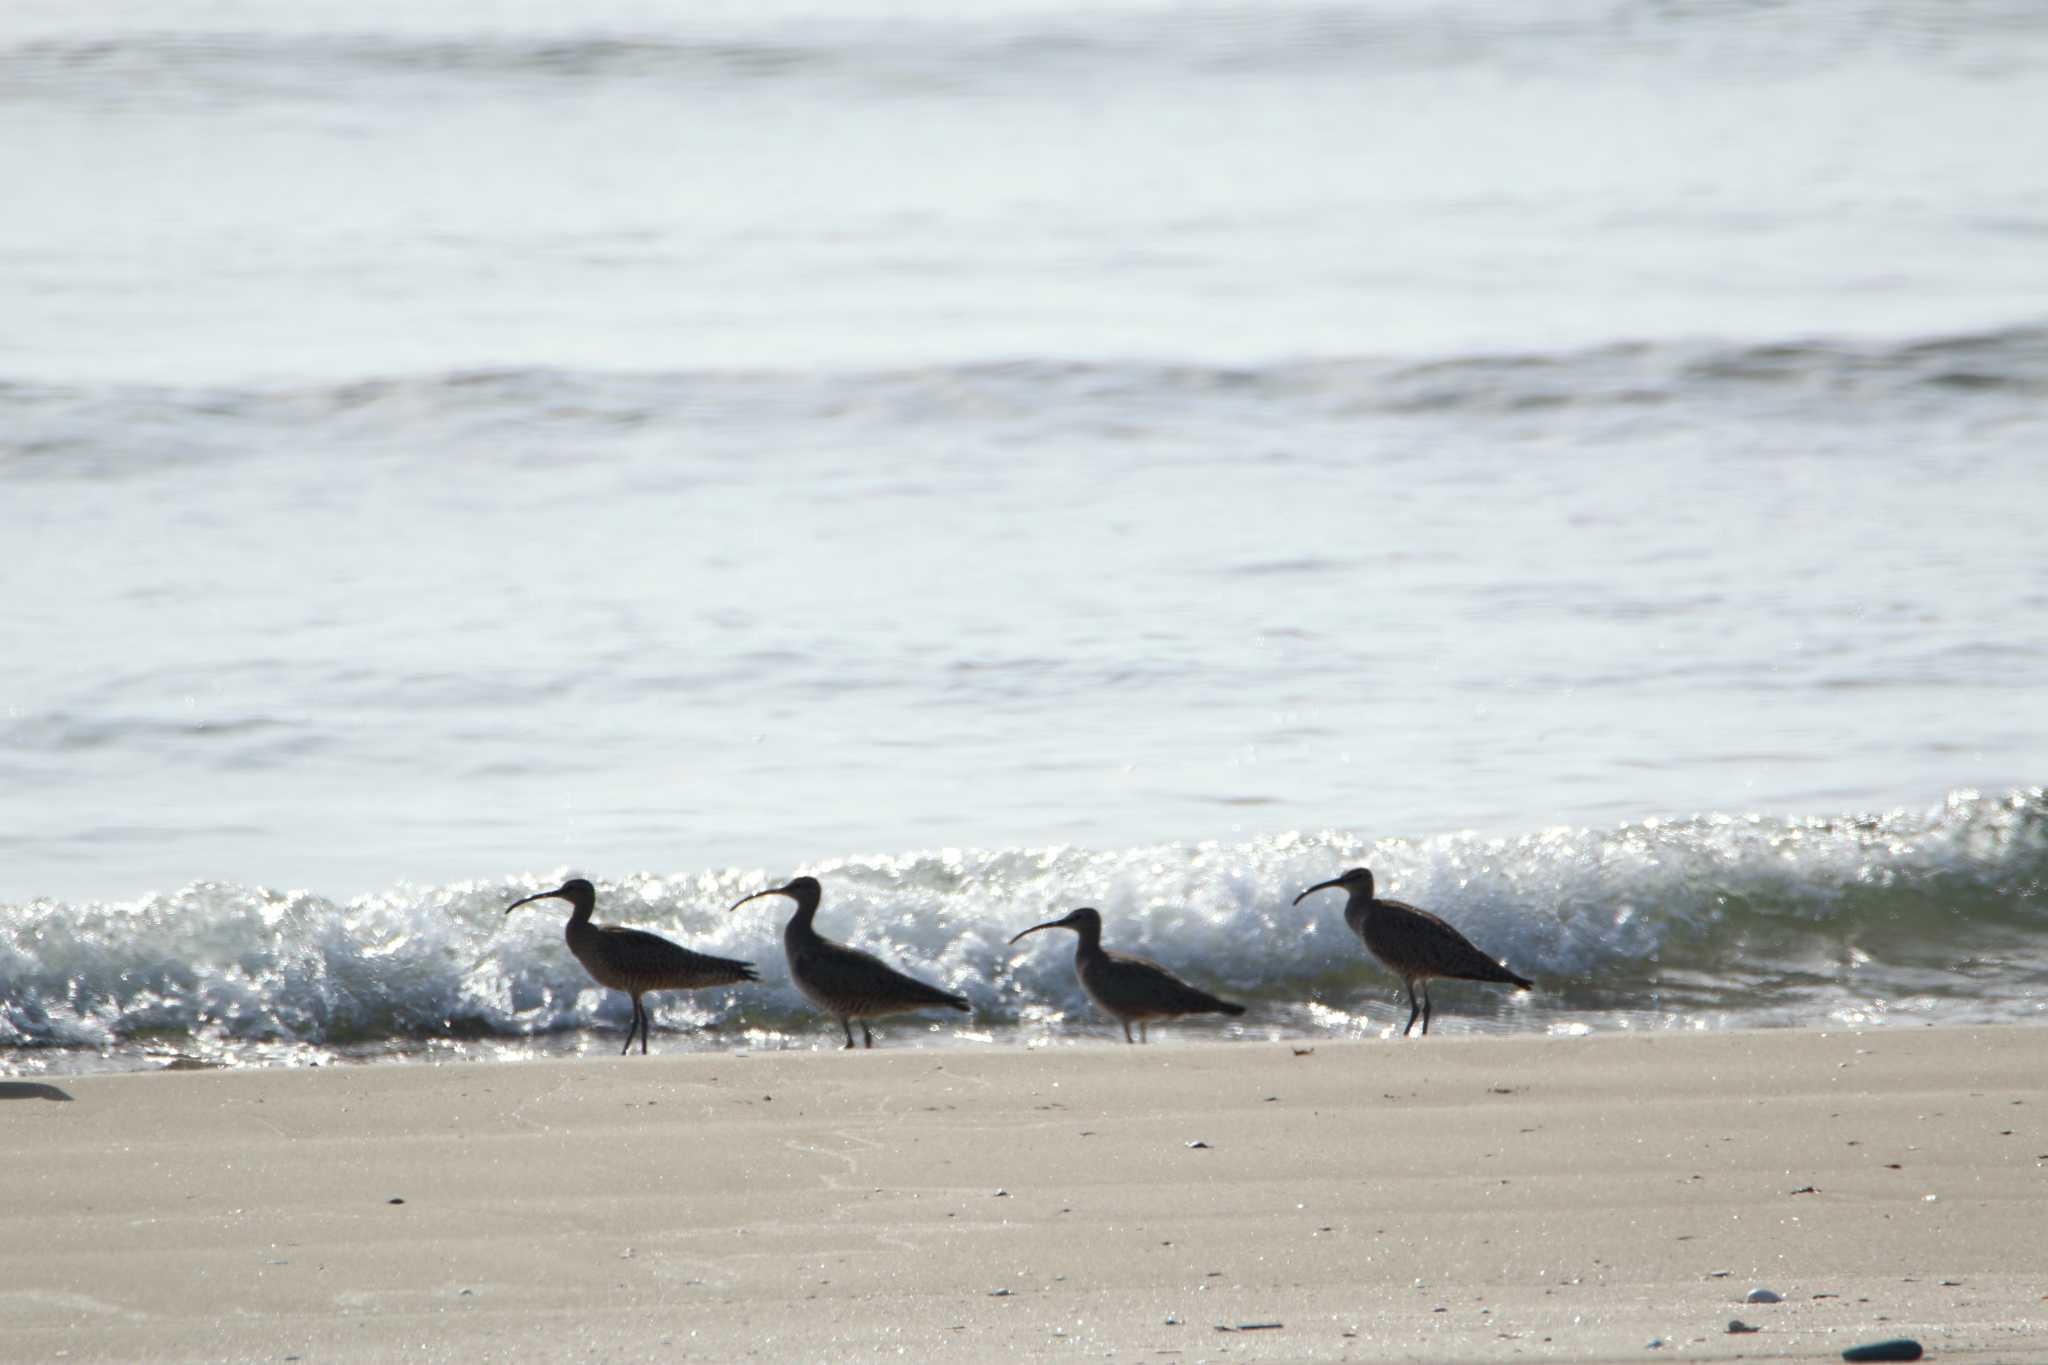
point(1049, 924)
point(536, 896)
point(1319, 886)
point(771, 891)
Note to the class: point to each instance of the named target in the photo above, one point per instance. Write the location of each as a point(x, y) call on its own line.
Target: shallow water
point(441, 444)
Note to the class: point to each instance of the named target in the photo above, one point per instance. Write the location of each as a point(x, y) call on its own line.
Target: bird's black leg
point(847, 1024)
point(1143, 1036)
point(1127, 1033)
point(1425, 1009)
point(646, 1022)
point(1414, 1009)
point(867, 1039)
point(632, 1027)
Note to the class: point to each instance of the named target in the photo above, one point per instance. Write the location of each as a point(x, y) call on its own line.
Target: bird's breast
point(1098, 979)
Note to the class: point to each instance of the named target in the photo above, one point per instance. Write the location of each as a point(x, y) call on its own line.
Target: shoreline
point(817, 1035)
point(1459, 1198)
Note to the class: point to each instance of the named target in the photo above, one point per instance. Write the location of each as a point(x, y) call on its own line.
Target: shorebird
point(1413, 942)
point(846, 983)
point(633, 960)
point(1127, 988)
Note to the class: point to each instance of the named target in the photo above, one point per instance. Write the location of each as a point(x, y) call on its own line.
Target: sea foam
point(1712, 920)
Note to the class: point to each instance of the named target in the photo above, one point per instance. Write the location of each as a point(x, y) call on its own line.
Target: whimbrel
point(1413, 942)
point(633, 960)
point(1129, 989)
point(846, 983)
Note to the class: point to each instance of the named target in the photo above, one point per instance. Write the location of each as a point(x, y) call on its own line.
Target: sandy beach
point(1538, 1198)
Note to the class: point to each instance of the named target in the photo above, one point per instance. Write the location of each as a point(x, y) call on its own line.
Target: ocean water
point(1585, 459)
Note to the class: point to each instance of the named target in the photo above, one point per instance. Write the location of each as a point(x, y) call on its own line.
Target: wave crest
point(1714, 919)
point(59, 430)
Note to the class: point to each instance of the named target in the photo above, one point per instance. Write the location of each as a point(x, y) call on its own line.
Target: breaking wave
point(1709, 921)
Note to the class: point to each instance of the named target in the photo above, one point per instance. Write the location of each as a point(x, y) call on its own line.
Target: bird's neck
point(799, 926)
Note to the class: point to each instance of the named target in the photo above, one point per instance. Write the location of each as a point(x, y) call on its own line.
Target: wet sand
point(1448, 1199)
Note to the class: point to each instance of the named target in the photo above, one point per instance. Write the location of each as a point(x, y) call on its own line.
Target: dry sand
point(1447, 1199)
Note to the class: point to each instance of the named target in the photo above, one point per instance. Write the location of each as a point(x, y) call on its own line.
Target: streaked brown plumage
point(846, 983)
point(1415, 943)
point(633, 960)
point(1129, 989)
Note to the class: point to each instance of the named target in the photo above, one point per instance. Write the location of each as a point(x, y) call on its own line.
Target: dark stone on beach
point(1898, 1348)
point(1737, 1325)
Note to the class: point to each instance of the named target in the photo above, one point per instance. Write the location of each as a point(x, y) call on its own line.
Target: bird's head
point(805, 891)
point(1358, 881)
point(578, 892)
point(1087, 922)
